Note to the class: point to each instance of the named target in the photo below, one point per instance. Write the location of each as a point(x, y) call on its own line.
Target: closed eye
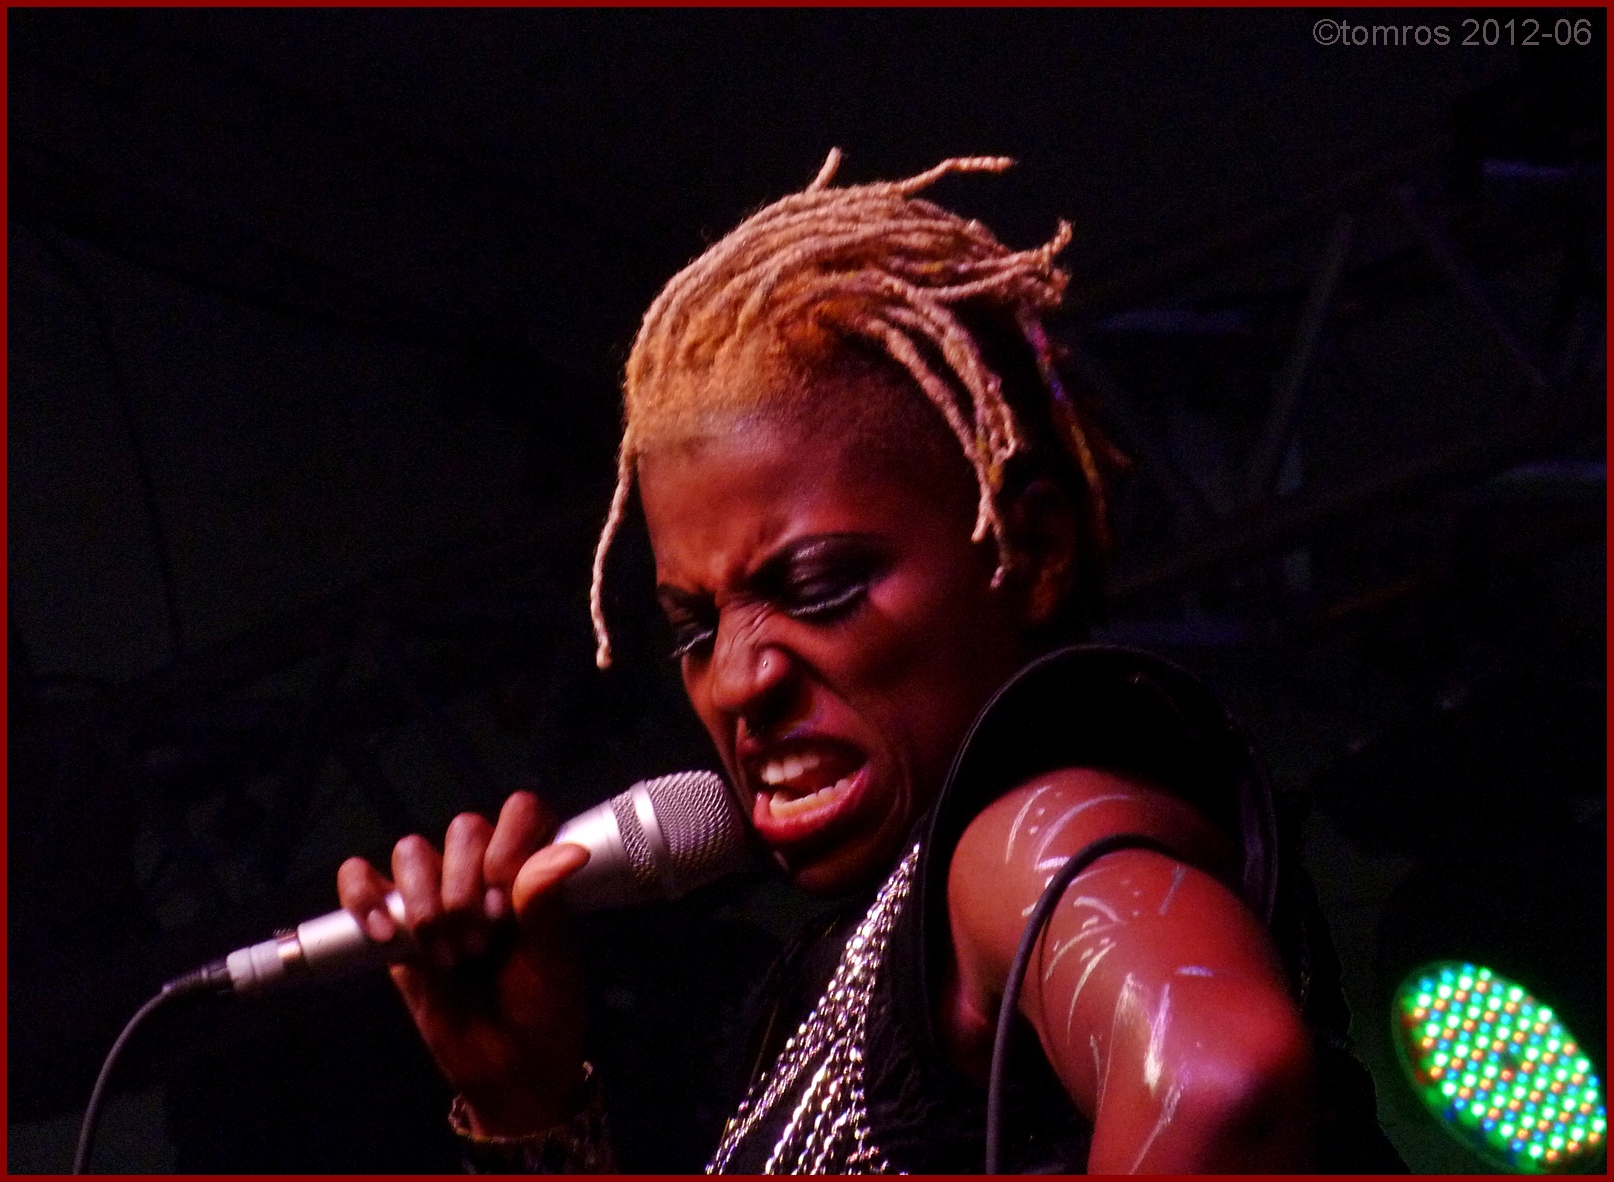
point(827, 602)
point(693, 620)
point(687, 638)
point(822, 579)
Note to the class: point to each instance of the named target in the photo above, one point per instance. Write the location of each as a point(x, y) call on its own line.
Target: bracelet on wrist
point(581, 1145)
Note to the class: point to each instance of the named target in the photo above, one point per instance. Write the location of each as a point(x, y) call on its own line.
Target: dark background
point(315, 323)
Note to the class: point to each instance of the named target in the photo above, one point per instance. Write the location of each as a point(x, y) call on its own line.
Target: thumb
point(542, 873)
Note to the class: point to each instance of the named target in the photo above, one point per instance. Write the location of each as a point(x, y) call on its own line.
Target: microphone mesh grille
point(702, 824)
point(641, 865)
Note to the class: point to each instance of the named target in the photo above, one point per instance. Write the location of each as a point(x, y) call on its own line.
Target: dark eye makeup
point(693, 619)
point(821, 580)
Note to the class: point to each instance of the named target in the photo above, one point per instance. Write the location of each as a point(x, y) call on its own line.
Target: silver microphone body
point(659, 839)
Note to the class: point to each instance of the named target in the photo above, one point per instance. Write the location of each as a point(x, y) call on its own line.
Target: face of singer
point(836, 628)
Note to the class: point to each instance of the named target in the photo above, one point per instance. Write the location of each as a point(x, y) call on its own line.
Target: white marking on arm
point(1070, 1015)
point(1068, 815)
point(1125, 1000)
point(1167, 1111)
point(1157, 1038)
point(1059, 952)
point(1014, 829)
point(1071, 943)
point(1177, 873)
point(1097, 905)
point(1194, 970)
point(1079, 901)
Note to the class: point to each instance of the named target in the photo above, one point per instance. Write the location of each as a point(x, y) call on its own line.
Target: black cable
point(214, 977)
point(1040, 914)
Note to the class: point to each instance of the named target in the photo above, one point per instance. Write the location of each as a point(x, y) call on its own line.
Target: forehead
point(718, 506)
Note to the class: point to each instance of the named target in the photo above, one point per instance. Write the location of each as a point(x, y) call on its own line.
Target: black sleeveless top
point(1092, 706)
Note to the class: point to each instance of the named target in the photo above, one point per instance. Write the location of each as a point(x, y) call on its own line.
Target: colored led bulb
point(1498, 1069)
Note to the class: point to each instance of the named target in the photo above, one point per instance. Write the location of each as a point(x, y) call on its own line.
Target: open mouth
point(802, 792)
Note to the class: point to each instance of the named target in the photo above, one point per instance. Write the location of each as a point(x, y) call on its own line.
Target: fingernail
point(565, 856)
point(380, 926)
point(495, 904)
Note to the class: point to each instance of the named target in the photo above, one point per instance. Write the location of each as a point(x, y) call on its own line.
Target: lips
point(804, 789)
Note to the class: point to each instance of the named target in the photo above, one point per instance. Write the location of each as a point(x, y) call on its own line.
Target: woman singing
point(878, 523)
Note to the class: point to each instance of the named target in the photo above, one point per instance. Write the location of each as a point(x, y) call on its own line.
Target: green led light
point(1500, 1071)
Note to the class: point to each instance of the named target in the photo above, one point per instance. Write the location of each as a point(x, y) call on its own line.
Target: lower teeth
point(781, 807)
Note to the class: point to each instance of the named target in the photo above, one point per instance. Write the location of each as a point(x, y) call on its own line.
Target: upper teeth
point(777, 771)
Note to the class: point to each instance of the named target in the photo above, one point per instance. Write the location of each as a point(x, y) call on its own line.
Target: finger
point(542, 874)
point(417, 869)
point(525, 824)
point(362, 890)
point(464, 848)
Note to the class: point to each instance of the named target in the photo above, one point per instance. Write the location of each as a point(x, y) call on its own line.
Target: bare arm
point(1158, 997)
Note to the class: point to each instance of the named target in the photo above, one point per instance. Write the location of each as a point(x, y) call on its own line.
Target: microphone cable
point(1040, 915)
point(213, 978)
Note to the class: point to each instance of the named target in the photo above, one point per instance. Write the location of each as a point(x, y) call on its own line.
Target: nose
point(750, 676)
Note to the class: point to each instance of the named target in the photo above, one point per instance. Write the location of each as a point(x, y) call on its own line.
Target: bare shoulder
point(1014, 846)
point(1158, 996)
point(1070, 807)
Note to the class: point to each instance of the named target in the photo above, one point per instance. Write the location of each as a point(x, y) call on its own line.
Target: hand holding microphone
point(499, 1004)
point(491, 974)
point(658, 839)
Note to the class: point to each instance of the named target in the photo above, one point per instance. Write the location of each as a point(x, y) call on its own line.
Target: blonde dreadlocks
point(866, 262)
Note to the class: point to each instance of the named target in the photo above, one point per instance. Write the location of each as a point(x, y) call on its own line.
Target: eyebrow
point(689, 601)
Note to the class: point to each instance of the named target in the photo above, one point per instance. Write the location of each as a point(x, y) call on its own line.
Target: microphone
point(658, 840)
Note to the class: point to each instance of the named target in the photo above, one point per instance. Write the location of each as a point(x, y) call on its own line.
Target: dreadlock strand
point(902, 350)
point(995, 425)
point(826, 173)
point(613, 520)
point(1074, 436)
point(1055, 245)
point(1075, 439)
point(957, 164)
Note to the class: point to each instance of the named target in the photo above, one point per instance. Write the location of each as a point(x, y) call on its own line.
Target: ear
point(1041, 523)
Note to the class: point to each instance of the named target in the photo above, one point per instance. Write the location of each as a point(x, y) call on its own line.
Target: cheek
point(930, 649)
point(940, 617)
point(697, 678)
